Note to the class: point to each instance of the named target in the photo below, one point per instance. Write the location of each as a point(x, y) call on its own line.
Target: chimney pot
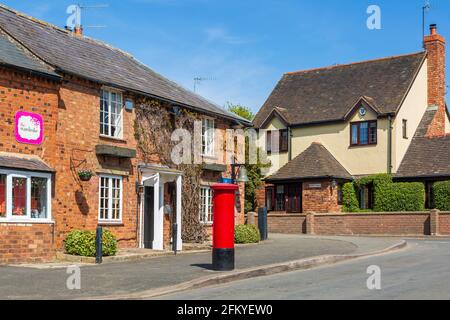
point(78, 31)
point(433, 29)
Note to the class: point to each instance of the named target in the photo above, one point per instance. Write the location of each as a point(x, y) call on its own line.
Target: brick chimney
point(78, 31)
point(435, 47)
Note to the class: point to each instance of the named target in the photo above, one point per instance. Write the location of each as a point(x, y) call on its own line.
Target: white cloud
point(217, 34)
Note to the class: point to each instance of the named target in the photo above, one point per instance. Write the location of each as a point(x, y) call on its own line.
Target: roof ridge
point(62, 30)
point(354, 63)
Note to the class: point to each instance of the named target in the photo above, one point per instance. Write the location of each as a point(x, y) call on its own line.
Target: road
point(421, 271)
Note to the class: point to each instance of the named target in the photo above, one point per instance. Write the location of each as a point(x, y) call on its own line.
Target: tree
point(253, 170)
point(241, 111)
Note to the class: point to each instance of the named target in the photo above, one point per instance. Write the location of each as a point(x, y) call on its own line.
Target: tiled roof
point(328, 94)
point(97, 61)
point(314, 162)
point(21, 162)
point(13, 54)
point(426, 157)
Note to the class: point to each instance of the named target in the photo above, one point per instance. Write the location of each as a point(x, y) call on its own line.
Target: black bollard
point(262, 224)
point(99, 245)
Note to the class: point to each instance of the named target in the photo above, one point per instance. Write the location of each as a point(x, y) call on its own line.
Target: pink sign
point(29, 128)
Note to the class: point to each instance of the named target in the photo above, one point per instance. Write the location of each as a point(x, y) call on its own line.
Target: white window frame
point(110, 199)
point(119, 125)
point(206, 207)
point(10, 174)
point(208, 137)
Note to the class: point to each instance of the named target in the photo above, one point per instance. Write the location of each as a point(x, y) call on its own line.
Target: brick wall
point(372, 223)
point(320, 199)
point(396, 223)
point(286, 223)
point(21, 243)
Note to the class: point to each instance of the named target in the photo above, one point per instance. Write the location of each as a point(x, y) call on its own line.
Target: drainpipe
point(289, 144)
point(390, 145)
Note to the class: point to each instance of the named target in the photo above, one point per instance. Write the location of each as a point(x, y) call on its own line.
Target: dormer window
point(363, 133)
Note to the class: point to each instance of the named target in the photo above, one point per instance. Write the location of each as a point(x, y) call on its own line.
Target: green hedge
point(388, 196)
point(441, 193)
point(82, 243)
point(400, 197)
point(246, 234)
point(349, 198)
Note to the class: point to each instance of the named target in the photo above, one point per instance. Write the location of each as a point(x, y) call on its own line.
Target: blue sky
point(245, 46)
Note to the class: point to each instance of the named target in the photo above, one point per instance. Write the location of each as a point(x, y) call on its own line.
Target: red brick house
point(324, 127)
point(68, 103)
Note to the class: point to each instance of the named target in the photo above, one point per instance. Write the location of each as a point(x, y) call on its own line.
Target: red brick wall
point(286, 223)
point(21, 243)
point(78, 201)
point(408, 223)
point(320, 200)
point(444, 223)
point(372, 223)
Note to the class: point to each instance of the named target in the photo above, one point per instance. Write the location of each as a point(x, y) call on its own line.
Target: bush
point(246, 234)
point(82, 243)
point(441, 195)
point(349, 199)
point(400, 197)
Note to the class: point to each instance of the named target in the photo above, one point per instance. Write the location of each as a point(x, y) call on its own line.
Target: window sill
point(209, 157)
point(363, 145)
point(111, 223)
point(103, 137)
point(206, 224)
point(25, 221)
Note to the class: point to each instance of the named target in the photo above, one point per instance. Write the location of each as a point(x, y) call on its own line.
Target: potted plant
point(85, 175)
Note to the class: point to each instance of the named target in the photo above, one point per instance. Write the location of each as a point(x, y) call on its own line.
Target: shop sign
point(29, 128)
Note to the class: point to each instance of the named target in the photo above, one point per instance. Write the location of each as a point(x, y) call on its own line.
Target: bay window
point(25, 196)
point(111, 114)
point(110, 199)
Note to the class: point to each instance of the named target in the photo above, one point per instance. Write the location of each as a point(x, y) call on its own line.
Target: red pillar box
point(223, 226)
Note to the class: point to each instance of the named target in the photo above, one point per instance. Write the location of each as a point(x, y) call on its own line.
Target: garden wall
point(383, 223)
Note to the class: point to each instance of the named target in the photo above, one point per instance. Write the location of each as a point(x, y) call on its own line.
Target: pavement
point(128, 279)
point(420, 272)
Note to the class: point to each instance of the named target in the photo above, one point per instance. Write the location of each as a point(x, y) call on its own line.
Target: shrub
point(441, 195)
point(400, 197)
point(82, 243)
point(349, 199)
point(246, 234)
